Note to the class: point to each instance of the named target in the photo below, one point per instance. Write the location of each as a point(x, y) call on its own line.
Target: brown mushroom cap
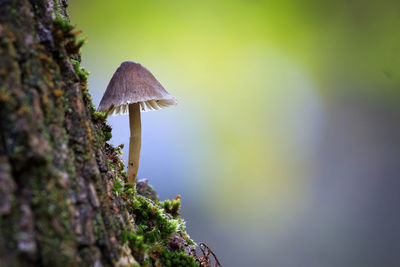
point(133, 83)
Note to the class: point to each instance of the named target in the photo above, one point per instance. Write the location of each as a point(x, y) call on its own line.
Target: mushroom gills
point(154, 104)
point(124, 109)
point(117, 110)
point(148, 105)
point(142, 106)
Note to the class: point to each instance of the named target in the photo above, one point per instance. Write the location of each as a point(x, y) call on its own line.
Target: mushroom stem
point(134, 142)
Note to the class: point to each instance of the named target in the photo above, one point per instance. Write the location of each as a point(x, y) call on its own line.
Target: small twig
point(205, 258)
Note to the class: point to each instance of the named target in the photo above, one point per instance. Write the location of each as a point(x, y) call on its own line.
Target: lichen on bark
point(64, 200)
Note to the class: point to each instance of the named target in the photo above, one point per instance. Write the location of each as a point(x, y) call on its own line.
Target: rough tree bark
point(64, 200)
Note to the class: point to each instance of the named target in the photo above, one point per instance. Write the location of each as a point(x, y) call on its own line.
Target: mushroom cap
point(133, 83)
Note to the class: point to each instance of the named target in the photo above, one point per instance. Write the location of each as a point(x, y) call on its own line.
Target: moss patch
point(177, 259)
point(155, 226)
point(172, 206)
point(82, 73)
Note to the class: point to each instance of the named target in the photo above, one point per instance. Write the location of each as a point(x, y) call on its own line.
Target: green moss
point(58, 8)
point(119, 148)
point(80, 43)
point(123, 174)
point(141, 244)
point(64, 25)
point(118, 188)
point(108, 136)
point(172, 206)
point(66, 36)
point(111, 165)
point(104, 135)
point(99, 116)
point(100, 136)
point(81, 72)
point(92, 107)
point(130, 189)
point(154, 227)
point(177, 259)
point(136, 242)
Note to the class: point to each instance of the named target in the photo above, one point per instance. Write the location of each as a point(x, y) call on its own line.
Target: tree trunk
point(64, 200)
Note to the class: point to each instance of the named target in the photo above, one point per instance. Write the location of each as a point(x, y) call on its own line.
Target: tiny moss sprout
point(172, 206)
point(99, 116)
point(81, 72)
point(118, 188)
point(63, 24)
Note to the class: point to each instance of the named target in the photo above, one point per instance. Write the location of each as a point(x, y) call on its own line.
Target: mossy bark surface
point(64, 200)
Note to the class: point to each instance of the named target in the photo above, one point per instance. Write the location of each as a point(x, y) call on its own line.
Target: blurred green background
point(285, 143)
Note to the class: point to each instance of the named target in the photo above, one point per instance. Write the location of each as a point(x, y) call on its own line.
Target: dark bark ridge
point(64, 200)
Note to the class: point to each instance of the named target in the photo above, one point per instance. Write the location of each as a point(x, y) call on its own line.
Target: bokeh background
point(285, 145)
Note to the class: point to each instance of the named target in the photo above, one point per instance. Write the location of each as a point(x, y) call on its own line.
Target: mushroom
point(133, 89)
